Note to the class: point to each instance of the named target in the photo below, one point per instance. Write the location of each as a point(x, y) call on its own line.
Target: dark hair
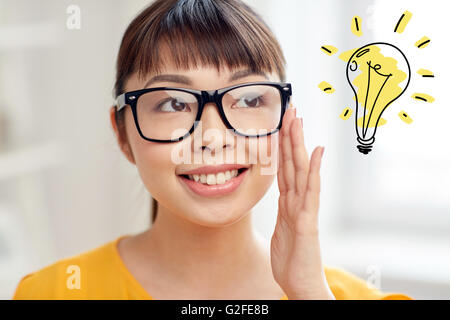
point(214, 33)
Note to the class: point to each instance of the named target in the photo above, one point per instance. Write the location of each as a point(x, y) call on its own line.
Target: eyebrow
point(186, 80)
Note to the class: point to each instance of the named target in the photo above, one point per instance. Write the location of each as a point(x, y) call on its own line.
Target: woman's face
point(160, 173)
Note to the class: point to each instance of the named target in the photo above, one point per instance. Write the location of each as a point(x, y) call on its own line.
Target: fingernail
point(323, 150)
point(301, 121)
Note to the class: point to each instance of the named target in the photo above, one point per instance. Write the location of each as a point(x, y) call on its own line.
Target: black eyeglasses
point(168, 114)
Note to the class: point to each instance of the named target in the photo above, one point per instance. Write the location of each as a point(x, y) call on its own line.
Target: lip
point(215, 169)
point(206, 190)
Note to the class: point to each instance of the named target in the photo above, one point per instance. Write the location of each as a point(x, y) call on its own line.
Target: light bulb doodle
point(378, 74)
point(376, 81)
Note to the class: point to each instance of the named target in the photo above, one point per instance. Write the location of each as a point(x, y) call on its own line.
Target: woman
point(202, 245)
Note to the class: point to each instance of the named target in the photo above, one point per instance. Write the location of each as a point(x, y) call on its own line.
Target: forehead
point(201, 77)
point(197, 74)
point(195, 63)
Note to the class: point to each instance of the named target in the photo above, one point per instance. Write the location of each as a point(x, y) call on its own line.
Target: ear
point(124, 145)
point(112, 118)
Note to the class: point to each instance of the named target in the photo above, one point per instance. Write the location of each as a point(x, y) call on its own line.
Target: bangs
point(193, 33)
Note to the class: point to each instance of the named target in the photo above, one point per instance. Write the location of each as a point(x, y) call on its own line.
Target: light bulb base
point(364, 148)
point(365, 145)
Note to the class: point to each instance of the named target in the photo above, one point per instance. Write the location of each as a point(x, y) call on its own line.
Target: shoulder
point(68, 278)
point(347, 286)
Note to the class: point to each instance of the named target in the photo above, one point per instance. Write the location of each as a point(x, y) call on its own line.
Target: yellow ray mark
point(423, 97)
point(346, 113)
point(326, 87)
point(329, 50)
point(403, 21)
point(372, 123)
point(404, 116)
point(347, 54)
point(425, 73)
point(356, 26)
point(422, 43)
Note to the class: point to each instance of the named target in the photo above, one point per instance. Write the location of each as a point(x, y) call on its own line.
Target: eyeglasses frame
point(203, 97)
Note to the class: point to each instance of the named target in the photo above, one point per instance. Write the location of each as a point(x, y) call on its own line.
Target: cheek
point(260, 185)
point(263, 153)
point(264, 169)
point(153, 161)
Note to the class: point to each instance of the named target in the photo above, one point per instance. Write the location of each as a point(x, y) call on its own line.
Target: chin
point(216, 217)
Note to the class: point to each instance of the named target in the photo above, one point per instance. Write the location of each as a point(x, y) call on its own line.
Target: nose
point(211, 118)
point(214, 129)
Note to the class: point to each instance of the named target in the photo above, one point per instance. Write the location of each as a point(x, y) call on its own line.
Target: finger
point(313, 189)
point(286, 150)
point(280, 174)
point(300, 156)
point(280, 171)
point(284, 124)
point(280, 177)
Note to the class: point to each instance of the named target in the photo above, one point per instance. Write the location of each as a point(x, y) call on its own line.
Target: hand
point(295, 250)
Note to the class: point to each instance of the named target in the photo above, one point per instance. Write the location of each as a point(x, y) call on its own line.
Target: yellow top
point(101, 274)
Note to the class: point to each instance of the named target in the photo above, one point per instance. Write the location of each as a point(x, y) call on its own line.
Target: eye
point(250, 101)
point(172, 105)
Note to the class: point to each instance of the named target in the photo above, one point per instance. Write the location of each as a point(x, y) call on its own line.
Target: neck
point(215, 256)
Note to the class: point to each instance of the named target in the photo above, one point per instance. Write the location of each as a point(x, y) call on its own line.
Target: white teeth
point(212, 179)
point(220, 178)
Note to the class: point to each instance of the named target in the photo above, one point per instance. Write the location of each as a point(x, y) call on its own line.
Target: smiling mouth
point(218, 178)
